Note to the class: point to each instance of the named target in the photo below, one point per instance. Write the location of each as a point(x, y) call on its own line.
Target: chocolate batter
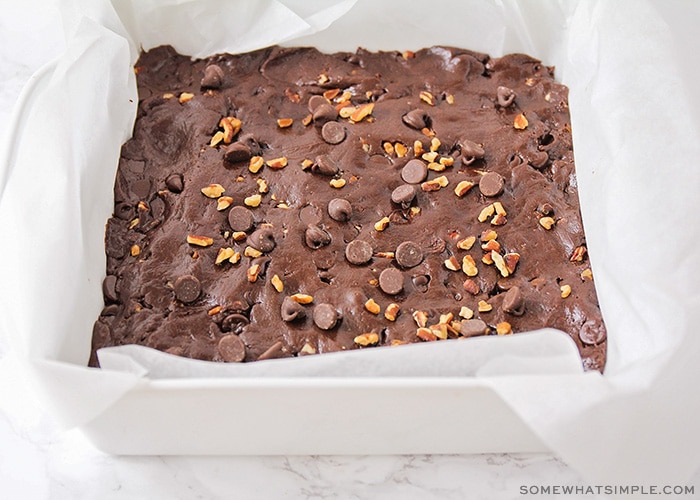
point(287, 202)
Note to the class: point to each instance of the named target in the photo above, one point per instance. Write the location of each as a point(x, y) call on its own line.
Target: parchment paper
point(634, 118)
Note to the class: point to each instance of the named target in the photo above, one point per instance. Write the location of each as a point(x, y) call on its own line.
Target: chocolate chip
point(187, 288)
point(515, 160)
point(231, 348)
point(417, 119)
point(333, 132)
point(310, 214)
point(324, 113)
point(473, 328)
point(325, 165)
point(174, 183)
point(315, 101)
point(471, 151)
point(262, 239)
point(414, 172)
point(491, 184)
point(340, 209)
point(141, 188)
point(234, 323)
point(123, 211)
point(237, 152)
point(240, 218)
point(505, 96)
point(421, 282)
point(109, 288)
point(403, 195)
point(315, 237)
point(391, 281)
point(408, 254)
point(513, 302)
point(213, 77)
point(592, 333)
point(325, 316)
point(538, 159)
point(358, 252)
point(157, 207)
point(250, 141)
point(292, 310)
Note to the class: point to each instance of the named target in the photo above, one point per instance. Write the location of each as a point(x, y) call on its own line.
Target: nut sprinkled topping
point(450, 99)
point(214, 311)
point(308, 349)
point(498, 207)
point(185, 97)
point(302, 298)
point(466, 313)
point(224, 255)
point(239, 236)
point(486, 212)
point(435, 144)
point(587, 274)
point(500, 263)
point(251, 252)
point(392, 311)
point(463, 188)
point(426, 96)
point(361, 112)
point(452, 263)
point(135, 250)
point(231, 126)
point(277, 162)
point(547, 222)
point(213, 190)
point(484, 306)
point(435, 184)
point(511, 260)
point(426, 334)
point(372, 306)
point(256, 163)
point(366, 339)
point(565, 291)
point(201, 241)
point(253, 272)
point(253, 201)
point(420, 318)
point(504, 328)
point(520, 122)
point(223, 203)
point(382, 224)
point(578, 255)
point(400, 150)
point(466, 243)
point(498, 220)
point(262, 186)
point(337, 183)
point(418, 147)
point(471, 286)
point(284, 122)
point(277, 283)
point(469, 266)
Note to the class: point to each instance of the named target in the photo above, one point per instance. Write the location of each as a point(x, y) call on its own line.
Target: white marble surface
point(37, 461)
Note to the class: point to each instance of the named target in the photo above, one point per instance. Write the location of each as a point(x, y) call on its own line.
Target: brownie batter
point(287, 202)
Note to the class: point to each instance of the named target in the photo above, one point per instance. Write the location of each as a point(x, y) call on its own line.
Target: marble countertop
point(38, 461)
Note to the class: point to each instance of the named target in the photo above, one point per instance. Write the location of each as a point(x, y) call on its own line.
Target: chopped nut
point(213, 190)
point(463, 188)
point(435, 144)
point(487, 259)
point(450, 99)
point(283, 206)
point(306, 121)
point(500, 263)
point(306, 164)
point(214, 311)
point(292, 96)
point(447, 161)
point(426, 334)
point(142, 206)
point(373, 281)
point(224, 254)
point(436, 167)
point(202, 241)
point(384, 255)
point(529, 82)
point(471, 286)
point(520, 122)
point(256, 163)
point(466, 243)
point(439, 330)
point(408, 54)
point(323, 78)
point(337, 183)
point(400, 150)
point(223, 203)
point(426, 96)
point(167, 95)
point(388, 148)
point(239, 236)
point(216, 139)
point(446, 318)
point(417, 148)
point(253, 272)
point(456, 327)
point(231, 126)
point(486, 212)
point(469, 266)
point(372, 306)
point(262, 186)
point(498, 220)
point(435, 184)
point(429, 157)
point(284, 122)
point(308, 349)
point(331, 93)
point(344, 97)
point(511, 260)
point(413, 211)
point(392, 311)
point(381, 224)
point(420, 318)
point(235, 258)
point(302, 298)
point(565, 291)
point(185, 97)
point(277, 283)
point(504, 328)
point(251, 252)
point(366, 339)
point(361, 112)
point(466, 313)
point(578, 255)
point(488, 235)
point(498, 207)
point(547, 222)
point(427, 132)
point(135, 250)
point(484, 306)
point(587, 274)
point(277, 162)
point(346, 111)
point(452, 263)
point(491, 245)
point(253, 201)
point(397, 342)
